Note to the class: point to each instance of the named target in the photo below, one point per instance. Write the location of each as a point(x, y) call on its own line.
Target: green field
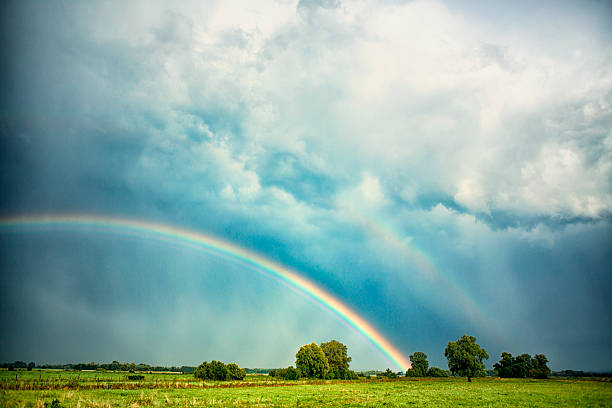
point(103, 389)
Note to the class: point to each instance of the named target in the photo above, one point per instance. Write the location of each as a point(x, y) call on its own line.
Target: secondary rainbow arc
point(209, 243)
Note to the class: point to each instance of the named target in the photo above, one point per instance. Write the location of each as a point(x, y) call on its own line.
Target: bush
point(218, 371)
point(289, 373)
point(341, 374)
point(436, 372)
point(136, 377)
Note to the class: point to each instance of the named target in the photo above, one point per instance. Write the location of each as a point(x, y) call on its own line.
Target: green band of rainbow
point(215, 245)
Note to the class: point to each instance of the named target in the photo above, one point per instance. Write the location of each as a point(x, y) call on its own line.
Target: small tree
point(419, 365)
point(311, 361)
point(465, 357)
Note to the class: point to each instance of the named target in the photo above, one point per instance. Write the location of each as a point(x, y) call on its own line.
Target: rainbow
point(214, 245)
point(426, 267)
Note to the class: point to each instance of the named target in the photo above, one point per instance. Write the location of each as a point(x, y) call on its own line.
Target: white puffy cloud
point(415, 94)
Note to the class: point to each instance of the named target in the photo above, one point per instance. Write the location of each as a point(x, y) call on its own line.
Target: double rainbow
point(214, 245)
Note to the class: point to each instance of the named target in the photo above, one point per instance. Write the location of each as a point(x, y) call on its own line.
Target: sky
point(441, 167)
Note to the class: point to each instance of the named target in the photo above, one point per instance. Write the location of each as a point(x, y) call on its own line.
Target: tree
point(218, 371)
point(235, 372)
point(505, 366)
point(337, 358)
point(31, 366)
point(311, 361)
point(539, 369)
point(419, 365)
point(522, 366)
point(202, 371)
point(465, 357)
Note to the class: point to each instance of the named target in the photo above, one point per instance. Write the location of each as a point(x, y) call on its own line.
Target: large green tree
point(311, 361)
point(337, 358)
point(419, 365)
point(465, 357)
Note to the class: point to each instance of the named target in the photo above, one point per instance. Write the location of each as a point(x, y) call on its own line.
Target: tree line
point(330, 360)
point(522, 366)
point(114, 366)
point(465, 358)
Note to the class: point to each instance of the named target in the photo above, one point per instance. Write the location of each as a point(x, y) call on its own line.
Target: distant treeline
point(573, 373)
point(114, 366)
point(132, 367)
point(258, 370)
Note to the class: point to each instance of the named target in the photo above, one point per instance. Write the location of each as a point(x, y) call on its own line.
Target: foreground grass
point(261, 392)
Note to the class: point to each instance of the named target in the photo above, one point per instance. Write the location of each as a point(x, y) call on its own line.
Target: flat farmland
point(114, 389)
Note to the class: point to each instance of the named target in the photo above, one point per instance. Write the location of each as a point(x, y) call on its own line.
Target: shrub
point(218, 371)
point(136, 377)
point(436, 372)
point(289, 373)
point(341, 374)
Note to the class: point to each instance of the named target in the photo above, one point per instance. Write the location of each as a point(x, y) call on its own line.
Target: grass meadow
point(39, 388)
